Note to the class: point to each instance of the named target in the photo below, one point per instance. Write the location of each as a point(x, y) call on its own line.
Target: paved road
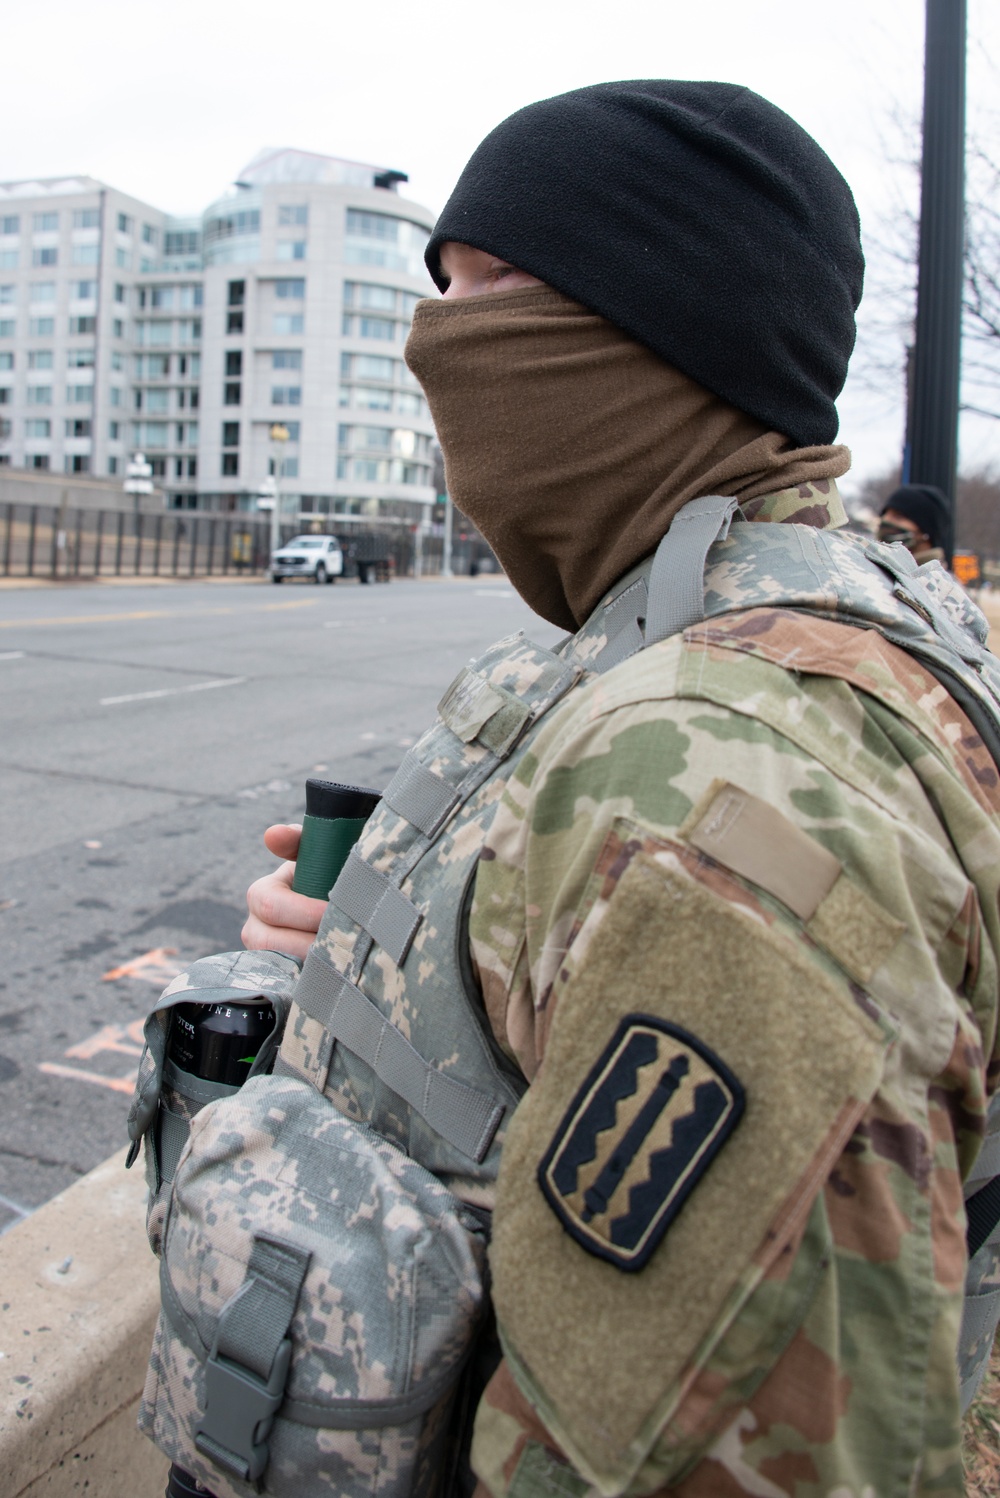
point(148, 734)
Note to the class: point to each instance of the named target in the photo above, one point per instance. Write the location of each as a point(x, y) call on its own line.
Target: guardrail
point(79, 1294)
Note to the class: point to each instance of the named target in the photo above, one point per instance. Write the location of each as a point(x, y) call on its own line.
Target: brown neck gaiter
point(572, 447)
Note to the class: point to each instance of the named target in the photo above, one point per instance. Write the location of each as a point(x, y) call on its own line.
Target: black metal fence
point(50, 541)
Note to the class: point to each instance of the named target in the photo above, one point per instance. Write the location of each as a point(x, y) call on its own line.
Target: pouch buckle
point(239, 1412)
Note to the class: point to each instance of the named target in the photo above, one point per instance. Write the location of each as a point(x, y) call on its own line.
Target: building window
point(86, 254)
point(291, 249)
point(371, 327)
point(234, 322)
point(40, 327)
point(380, 239)
point(39, 461)
point(47, 256)
point(293, 290)
point(124, 224)
point(364, 294)
point(237, 293)
point(77, 463)
point(114, 430)
point(38, 426)
point(6, 327)
point(84, 291)
point(157, 401)
point(286, 395)
point(115, 395)
point(40, 358)
point(288, 322)
point(118, 328)
point(112, 466)
point(79, 395)
point(77, 427)
point(86, 218)
point(189, 297)
point(8, 294)
point(159, 467)
point(5, 395)
point(292, 428)
point(10, 223)
point(83, 324)
point(123, 258)
point(119, 292)
point(6, 361)
point(80, 358)
point(290, 468)
point(42, 291)
point(230, 465)
point(234, 362)
point(161, 297)
point(231, 394)
point(230, 434)
point(45, 223)
point(293, 213)
point(9, 260)
point(286, 358)
point(148, 234)
point(181, 242)
point(39, 395)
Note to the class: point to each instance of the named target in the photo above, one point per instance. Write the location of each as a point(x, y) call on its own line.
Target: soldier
point(734, 915)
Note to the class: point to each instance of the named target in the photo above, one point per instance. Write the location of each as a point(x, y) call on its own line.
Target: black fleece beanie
point(696, 217)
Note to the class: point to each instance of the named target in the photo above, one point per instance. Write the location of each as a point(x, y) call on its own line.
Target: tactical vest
point(387, 1018)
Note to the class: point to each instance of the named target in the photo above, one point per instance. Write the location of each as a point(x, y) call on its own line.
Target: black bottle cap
point(326, 799)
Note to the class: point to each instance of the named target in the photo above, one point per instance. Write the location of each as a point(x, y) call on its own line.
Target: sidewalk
point(80, 1296)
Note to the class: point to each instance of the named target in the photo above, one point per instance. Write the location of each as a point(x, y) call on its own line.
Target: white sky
point(169, 101)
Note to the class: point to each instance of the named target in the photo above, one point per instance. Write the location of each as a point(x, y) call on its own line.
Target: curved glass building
point(285, 304)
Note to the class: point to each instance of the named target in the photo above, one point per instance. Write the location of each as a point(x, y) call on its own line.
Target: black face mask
point(913, 541)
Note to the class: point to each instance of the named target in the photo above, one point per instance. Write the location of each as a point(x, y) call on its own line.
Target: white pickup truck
point(317, 557)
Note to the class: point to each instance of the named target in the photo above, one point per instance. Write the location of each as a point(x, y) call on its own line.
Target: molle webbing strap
point(381, 909)
point(464, 1116)
point(422, 797)
point(677, 579)
point(172, 1129)
point(624, 618)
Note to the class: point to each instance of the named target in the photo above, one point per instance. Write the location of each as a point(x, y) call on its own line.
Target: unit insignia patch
point(638, 1136)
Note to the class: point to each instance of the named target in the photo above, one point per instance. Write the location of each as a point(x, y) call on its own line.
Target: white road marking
point(199, 686)
point(11, 655)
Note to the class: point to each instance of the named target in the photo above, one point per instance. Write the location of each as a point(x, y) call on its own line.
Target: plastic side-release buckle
point(239, 1412)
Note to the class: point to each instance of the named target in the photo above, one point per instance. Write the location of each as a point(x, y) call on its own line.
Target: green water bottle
point(335, 815)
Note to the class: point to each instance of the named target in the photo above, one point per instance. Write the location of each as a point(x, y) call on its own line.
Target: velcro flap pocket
point(379, 1321)
point(702, 1075)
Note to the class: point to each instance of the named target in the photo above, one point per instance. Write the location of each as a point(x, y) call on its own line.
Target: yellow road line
point(264, 608)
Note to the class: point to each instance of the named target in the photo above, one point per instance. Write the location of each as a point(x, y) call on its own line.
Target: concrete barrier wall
point(78, 1301)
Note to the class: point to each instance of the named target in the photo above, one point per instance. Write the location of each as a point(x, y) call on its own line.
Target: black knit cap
point(698, 218)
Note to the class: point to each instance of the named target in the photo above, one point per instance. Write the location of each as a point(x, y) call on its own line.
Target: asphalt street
point(148, 735)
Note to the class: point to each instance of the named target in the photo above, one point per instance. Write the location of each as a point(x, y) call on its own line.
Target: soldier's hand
point(279, 920)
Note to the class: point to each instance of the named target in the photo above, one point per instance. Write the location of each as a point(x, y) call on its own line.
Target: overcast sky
point(169, 101)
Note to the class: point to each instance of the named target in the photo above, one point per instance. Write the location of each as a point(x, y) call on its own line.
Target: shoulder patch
point(640, 1133)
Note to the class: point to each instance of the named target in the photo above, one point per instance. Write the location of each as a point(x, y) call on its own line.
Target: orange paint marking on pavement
point(116, 1084)
point(108, 1038)
point(154, 966)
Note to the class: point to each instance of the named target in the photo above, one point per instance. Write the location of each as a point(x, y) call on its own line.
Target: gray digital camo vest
point(387, 1022)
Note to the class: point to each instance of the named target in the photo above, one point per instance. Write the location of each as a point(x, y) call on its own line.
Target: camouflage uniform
point(795, 1331)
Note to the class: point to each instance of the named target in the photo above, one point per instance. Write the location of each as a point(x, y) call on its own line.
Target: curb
point(80, 1293)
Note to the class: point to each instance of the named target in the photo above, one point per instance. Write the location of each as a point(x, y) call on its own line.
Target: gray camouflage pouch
point(320, 1292)
point(166, 1098)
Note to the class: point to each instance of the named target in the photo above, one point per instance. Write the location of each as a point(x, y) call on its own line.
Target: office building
point(285, 304)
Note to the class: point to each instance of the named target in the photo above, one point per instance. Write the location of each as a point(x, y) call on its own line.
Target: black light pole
point(931, 455)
